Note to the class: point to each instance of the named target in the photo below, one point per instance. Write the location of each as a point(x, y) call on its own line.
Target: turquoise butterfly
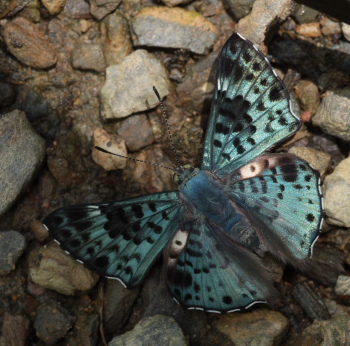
point(213, 229)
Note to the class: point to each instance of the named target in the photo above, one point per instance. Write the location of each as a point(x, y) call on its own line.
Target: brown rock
point(268, 327)
point(116, 38)
point(308, 95)
point(54, 6)
point(318, 159)
point(15, 330)
point(137, 132)
point(88, 56)
point(100, 8)
point(28, 44)
point(309, 29)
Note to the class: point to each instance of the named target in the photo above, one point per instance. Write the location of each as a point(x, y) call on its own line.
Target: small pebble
point(342, 287)
point(267, 326)
point(137, 132)
point(113, 143)
point(88, 56)
point(12, 245)
point(28, 44)
point(99, 9)
point(85, 25)
point(15, 329)
point(52, 268)
point(154, 330)
point(346, 30)
point(309, 29)
point(332, 115)
point(116, 38)
point(336, 189)
point(52, 322)
point(239, 8)
point(318, 159)
point(304, 14)
point(40, 232)
point(54, 6)
point(308, 95)
point(139, 71)
point(330, 27)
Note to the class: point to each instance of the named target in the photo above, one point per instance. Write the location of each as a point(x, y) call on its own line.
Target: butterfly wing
point(280, 195)
point(118, 239)
point(250, 111)
point(206, 270)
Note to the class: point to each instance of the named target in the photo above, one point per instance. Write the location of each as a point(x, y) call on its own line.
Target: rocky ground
point(75, 74)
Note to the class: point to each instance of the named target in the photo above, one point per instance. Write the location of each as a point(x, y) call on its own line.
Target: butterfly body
point(215, 227)
point(204, 194)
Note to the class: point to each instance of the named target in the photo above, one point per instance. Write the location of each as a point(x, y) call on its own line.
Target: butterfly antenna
point(131, 158)
point(167, 125)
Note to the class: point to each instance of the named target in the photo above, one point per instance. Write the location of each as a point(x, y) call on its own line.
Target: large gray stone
point(22, 154)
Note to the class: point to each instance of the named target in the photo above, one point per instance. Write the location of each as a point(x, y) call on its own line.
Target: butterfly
point(240, 203)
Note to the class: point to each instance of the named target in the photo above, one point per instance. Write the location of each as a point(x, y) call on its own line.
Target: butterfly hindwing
point(119, 239)
point(280, 196)
point(206, 270)
point(250, 110)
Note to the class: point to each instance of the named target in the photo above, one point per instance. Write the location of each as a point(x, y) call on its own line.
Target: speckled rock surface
point(258, 328)
point(175, 28)
point(52, 268)
point(332, 115)
point(12, 245)
point(22, 154)
point(337, 195)
point(138, 71)
point(27, 43)
point(319, 160)
point(155, 330)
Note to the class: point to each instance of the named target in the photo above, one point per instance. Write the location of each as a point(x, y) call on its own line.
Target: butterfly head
point(183, 173)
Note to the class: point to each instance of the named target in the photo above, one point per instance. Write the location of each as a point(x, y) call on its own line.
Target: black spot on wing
point(277, 93)
point(217, 143)
point(238, 72)
point(152, 206)
point(137, 209)
point(101, 262)
point(310, 217)
point(227, 300)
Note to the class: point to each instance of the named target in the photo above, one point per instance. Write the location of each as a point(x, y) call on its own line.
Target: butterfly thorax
point(183, 174)
point(203, 192)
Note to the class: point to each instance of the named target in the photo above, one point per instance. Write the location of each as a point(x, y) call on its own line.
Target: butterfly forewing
point(207, 270)
point(118, 239)
point(250, 110)
point(280, 196)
